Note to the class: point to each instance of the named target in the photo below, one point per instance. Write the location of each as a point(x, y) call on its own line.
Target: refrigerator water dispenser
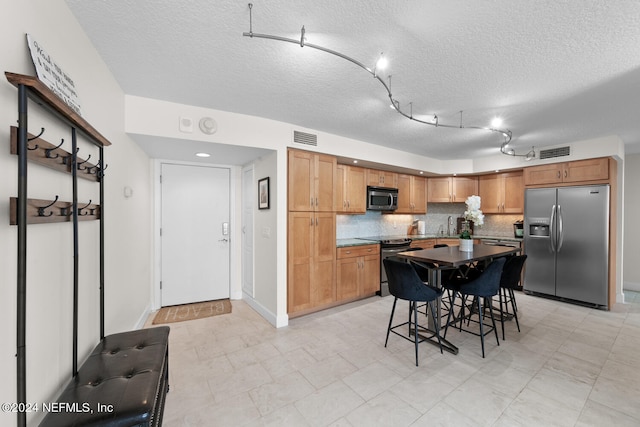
point(539, 230)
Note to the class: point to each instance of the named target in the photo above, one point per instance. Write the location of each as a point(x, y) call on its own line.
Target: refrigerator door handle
point(560, 229)
point(552, 229)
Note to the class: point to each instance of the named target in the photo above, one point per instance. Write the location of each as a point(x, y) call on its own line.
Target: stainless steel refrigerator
point(566, 238)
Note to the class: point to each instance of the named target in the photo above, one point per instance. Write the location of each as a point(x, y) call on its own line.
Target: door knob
point(223, 240)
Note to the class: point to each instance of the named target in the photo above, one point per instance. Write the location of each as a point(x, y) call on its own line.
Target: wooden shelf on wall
point(52, 156)
point(40, 211)
point(42, 95)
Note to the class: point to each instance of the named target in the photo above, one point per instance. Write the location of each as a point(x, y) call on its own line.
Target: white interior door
point(195, 233)
point(248, 203)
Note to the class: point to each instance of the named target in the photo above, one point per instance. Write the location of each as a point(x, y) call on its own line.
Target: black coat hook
point(37, 136)
point(48, 151)
point(66, 160)
point(84, 207)
point(79, 166)
point(100, 171)
point(41, 210)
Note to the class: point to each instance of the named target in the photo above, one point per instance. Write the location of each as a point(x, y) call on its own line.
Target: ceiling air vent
point(305, 138)
point(555, 152)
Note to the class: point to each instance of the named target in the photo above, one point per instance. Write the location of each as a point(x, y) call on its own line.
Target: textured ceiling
point(555, 71)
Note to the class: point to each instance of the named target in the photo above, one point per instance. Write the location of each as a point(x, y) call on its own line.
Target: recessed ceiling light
point(496, 122)
point(421, 172)
point(203, 154)
point(355, 161)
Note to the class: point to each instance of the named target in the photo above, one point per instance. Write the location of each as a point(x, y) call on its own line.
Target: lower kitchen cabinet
point(311, 260)
point(423, 243)
point(453, 242)
point(357, 272)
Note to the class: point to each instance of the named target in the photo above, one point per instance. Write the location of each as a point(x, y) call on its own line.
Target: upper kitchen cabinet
point(502, 193)
point(412, 194)
point(312, 179)
point(451, 188)
point(568, 172)
point(378, 178)
point(351, 190)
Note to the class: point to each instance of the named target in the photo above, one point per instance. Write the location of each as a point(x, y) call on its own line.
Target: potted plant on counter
point(472, 214)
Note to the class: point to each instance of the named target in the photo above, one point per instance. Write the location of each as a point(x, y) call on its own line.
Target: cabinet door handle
point(310, 222)
point(558, 174)
point(566, 173)
point(348, 203)
point(316, 201)
point(316, 221)
point(344, 203)
point(311, 202)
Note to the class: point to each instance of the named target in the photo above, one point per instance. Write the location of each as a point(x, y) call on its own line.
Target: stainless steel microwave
point(382, 199)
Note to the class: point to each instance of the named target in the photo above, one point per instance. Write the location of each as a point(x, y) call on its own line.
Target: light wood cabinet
point(311, 260)
point(351, 190)
point(312, 179)
point(423, 243)
point(412, 194)
point(357, 272)
point(379, 178)
point(568, 172)
point(502, 193)
point(450, 189)
point(452, 242)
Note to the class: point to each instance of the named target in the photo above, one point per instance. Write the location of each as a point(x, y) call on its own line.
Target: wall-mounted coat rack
point(41, 211)
point(24, 211)
point(53, 156)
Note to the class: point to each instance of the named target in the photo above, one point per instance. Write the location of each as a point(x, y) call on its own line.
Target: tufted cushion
point(129, 371)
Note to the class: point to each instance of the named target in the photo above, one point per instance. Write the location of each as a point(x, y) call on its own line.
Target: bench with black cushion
point(128, 374)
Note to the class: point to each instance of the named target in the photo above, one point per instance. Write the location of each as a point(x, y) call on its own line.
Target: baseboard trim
point(277, 321)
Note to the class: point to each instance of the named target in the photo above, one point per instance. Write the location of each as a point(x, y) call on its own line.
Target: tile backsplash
point(377, 224)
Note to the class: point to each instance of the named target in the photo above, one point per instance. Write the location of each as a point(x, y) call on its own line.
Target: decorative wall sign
point(53, 76)
point(263, 193)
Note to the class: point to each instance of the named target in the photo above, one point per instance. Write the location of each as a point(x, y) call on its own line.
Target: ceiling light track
point(505, 149)
point(395, 104)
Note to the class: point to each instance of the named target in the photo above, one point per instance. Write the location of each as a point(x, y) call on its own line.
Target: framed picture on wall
point(263, 193)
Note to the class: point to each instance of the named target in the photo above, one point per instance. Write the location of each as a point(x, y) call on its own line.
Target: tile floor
point(570, 366)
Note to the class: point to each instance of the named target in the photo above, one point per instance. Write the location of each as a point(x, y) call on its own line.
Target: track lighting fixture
point(395, 104)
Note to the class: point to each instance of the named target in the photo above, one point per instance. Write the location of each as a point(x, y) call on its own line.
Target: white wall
point(632, 230)
point(127, 221)
point(265, 276)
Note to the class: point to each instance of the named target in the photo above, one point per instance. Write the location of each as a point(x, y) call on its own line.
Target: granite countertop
point(364, 241)
point(341, 243)
point(455, 236)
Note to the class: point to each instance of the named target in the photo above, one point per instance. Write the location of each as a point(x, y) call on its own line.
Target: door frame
point(248, 169)
point(235, 286)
